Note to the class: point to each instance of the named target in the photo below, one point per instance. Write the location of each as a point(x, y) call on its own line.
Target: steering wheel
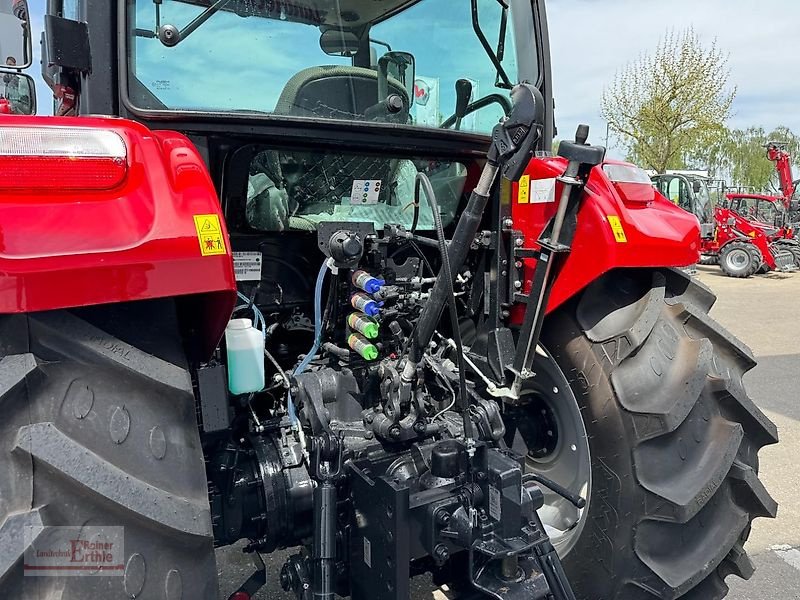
point(480, 103)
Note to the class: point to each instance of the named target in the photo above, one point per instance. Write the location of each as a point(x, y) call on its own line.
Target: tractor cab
point(761, 209)
point(690, 193)
point(354, 60)
point(356, 72)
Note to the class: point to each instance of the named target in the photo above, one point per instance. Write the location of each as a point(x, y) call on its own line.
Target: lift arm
point(777, 153)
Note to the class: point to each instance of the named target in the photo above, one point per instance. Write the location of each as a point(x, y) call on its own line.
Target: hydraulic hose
point(457, 253)
point(258, 320)
point(423, 180)
point(317, 320)
point(318, 323)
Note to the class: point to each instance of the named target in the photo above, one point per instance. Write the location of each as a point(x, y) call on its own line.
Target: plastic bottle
point(360, 345)
point(365, 304)
point(364, 281)
point(245, 347)
point(366, 326)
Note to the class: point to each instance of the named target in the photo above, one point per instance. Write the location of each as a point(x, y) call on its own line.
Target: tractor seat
point(335, 92)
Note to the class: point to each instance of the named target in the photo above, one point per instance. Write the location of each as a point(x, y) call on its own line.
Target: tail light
point(35, 159)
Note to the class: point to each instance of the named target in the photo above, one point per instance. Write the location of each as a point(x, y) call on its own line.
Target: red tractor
point(315, 293)
point(741, 246)
point(776, 215)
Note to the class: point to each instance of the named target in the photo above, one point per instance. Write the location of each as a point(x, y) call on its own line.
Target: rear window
point(297, 190)
point(626, 174)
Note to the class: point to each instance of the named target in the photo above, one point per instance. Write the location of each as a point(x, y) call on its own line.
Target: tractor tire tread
point(99, 433)
point(674, 438)
point(685, 289)
point(753, 266)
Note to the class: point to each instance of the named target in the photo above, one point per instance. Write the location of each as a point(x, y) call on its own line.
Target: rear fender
point(655, 233)
point(138, 241)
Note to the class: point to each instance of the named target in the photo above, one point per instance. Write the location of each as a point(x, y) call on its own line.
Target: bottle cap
point(240, 324)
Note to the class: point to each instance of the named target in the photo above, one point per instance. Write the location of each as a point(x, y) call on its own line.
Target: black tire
point(792, 246)
point(97, 432)
point(673, 438)
point(740, 259)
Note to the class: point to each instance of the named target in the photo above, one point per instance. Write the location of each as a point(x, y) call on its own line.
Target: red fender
point(62, 249)
point(626, 225)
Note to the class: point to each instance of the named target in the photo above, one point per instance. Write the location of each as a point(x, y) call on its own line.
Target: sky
point(591, 39)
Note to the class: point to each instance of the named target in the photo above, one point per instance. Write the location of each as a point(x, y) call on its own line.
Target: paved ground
point(763, 311)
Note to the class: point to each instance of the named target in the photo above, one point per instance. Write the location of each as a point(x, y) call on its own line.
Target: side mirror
point(67, 45)
point(15, 35)
point(17, 94)
point(696, 187)
point(400, 66)
point(338, 42)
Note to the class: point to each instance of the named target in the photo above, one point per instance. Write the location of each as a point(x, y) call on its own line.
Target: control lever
point(254, 583)
point(513, 142)
point(392, 105)
point(463, 96)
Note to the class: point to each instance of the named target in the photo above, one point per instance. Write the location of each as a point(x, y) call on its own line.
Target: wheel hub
point(548, 430)
point(738, 259)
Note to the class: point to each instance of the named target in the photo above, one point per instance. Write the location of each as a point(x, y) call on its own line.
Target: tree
point(665, 105)
point(740, 156)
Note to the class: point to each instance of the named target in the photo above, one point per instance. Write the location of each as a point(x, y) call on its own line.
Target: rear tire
point(792, 246)
point(673, 438)
point(740, 259)
point(96, 432)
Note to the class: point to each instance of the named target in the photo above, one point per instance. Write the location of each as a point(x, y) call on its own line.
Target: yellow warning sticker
point(616, 227)
point(209, 233)
point(524, 194)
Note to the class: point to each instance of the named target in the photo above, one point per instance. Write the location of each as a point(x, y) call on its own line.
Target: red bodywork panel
point(139, 241)
point(652, 231)
point(730, 226)
point(135, 242)
point(783, 165)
